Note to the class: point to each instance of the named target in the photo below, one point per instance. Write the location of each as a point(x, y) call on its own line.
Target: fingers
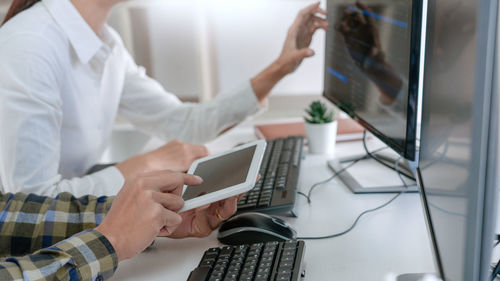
point(225, 209)
point(200, 151)
point(316, 24)
point(166, 181)
point(170, 222)
point(319, 21)
point(192, 179)
point(312, 9)
point(229, 207)
point(302, 54)
point(203, 227)
point(204, 207)
point(241, 196)
point(308, 16)
point(168, 201)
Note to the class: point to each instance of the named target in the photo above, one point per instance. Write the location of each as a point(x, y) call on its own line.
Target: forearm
point(265, 81)
point(94, 256)
point(32, 222)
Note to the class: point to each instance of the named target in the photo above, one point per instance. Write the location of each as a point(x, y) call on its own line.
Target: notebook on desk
point(348, 130)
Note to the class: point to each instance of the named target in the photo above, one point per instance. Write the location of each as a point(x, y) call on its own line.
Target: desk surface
point(393, 240)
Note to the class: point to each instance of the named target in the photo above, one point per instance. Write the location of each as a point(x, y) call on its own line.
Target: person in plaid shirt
point(102, 231)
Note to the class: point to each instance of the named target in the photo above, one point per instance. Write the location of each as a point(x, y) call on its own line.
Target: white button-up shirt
point(61, 88)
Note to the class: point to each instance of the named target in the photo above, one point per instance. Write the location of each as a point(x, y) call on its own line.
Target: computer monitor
point(374, 55)
point(458, 166)
point(372, 67)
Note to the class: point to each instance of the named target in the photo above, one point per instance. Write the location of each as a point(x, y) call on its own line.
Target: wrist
point(115, 241)
point(263, 83)
point(279, 68)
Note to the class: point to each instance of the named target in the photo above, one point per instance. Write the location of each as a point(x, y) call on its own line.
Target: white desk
point(391, 240)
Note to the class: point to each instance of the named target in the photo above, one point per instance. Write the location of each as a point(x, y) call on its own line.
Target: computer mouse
point(250, 228)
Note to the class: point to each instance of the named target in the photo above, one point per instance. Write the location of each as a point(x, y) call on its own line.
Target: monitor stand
point(357, 188)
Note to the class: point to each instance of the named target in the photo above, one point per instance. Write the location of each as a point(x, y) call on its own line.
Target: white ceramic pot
point(322, 137)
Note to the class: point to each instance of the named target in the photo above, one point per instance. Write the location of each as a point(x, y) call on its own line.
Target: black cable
point(395, 168)
point(303, 194)
point(382, 162)
point(363, 213)
point(366, 156)
point(308, 196)
point(355, 222)
point(398, 171)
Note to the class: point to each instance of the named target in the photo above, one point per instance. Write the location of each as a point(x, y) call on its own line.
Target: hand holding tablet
point(224, 175)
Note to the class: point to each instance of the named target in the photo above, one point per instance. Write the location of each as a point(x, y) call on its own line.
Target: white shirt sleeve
point(147, 105)
point(30, 119)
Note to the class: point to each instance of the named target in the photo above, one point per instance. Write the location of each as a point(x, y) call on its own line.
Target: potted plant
point(321, 128)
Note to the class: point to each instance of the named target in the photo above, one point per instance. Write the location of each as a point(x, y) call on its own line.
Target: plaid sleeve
point(85, 256)
point(33, 224)
point(30, 222)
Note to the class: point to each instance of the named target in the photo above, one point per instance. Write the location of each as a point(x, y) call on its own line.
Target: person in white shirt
point(65, 76)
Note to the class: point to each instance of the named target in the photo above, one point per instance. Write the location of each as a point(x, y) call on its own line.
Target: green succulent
point(318, 113)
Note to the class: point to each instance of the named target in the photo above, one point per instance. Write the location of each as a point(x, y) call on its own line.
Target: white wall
point(249, 35)
point(4, 6)
point(197, 47)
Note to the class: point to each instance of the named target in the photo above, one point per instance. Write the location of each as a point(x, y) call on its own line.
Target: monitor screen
point(459, 136)
point(372, 67)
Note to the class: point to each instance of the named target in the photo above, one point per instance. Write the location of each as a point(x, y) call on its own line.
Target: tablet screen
point(221, 172)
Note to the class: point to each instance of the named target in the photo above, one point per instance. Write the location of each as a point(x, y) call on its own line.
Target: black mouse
point(250, 228)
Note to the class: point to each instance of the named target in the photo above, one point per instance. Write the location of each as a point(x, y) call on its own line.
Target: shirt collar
point(84, 40)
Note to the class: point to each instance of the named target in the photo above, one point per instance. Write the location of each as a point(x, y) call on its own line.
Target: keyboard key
point(244, 206)
point(199, 274)
point(226, 251)
point(207, 262)
point(283, 277)
point(289, 144)
point(264, 203)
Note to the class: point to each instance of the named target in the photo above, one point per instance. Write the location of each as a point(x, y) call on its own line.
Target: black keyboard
point(271, 261)
point(275, 191)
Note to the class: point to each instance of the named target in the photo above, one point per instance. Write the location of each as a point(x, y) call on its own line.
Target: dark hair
point(18, 6)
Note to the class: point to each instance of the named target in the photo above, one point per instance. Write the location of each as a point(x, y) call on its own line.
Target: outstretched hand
point(299, 37)
point(295, 50)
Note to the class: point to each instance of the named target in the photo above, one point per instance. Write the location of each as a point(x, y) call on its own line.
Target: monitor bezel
point(409, 148)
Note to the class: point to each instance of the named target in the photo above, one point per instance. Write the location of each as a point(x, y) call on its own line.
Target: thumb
point(192, 179)
point(303, 53)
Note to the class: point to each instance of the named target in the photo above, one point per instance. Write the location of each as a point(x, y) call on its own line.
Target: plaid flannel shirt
point(32, 233)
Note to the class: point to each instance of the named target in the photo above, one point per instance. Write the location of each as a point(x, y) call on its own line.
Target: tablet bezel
point(248, 184)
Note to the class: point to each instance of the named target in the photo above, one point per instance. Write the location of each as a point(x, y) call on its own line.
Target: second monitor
point(373, 67)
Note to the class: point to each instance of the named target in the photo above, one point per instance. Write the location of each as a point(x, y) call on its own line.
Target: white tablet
point(224, 175)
